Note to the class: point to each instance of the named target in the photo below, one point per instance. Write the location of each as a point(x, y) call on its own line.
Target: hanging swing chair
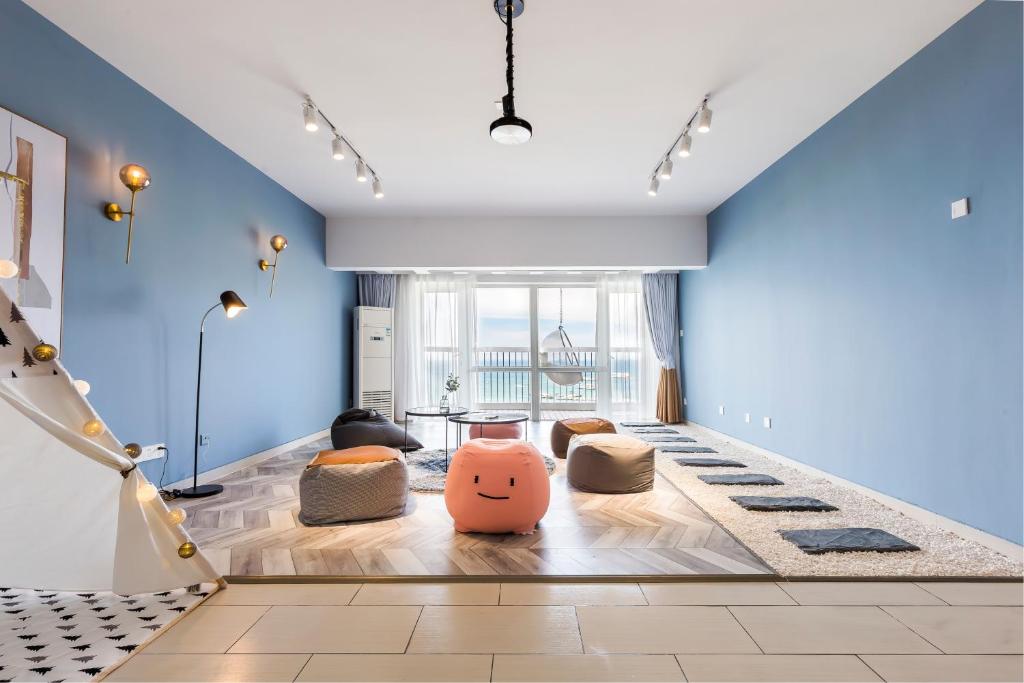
point(557, 349)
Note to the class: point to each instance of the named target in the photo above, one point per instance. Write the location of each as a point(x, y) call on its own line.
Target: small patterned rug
point(427, 469)
point(72, 636)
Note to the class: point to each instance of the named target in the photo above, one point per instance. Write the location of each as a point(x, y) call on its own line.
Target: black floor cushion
point(358, 427)
point(782, 504)
point(739, 479)
point(686, 449)
point(642, 424)
point(708, 462)
point(817, 541)
point(665, 439)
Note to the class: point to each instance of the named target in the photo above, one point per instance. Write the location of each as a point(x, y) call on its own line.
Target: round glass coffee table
point(486, 417)
point(433, 411)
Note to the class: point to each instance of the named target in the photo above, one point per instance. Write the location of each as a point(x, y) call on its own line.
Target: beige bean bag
point(366, 482)
point(563, 430)
point(610, 463)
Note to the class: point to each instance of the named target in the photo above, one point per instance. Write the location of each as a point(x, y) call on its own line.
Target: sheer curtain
point(434, 333)
point(628, 387)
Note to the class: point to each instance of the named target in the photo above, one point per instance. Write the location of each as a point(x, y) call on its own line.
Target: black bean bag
point(359, 427)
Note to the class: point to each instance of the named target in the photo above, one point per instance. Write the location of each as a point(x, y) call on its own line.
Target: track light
point(704, 119)
point(312, 116)
point(684, 145)
point(665, 170)
point(309, 116)
point(337, 149)
point(701, 117)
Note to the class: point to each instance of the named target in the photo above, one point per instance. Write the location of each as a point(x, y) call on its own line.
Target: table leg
point(446, 445)
point(406, 450)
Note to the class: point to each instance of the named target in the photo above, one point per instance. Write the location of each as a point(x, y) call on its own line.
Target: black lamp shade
point(232, 303)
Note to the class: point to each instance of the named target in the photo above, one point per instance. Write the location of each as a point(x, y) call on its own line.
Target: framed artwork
point(33, 170)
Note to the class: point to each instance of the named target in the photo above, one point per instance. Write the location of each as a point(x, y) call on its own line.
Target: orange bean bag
point(497, 486)
point(563, 430)
point(513, 430)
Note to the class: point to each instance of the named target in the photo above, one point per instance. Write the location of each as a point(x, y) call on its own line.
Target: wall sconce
point(278, 243)
point(136, 179)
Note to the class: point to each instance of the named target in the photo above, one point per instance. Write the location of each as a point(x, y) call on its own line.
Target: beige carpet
point(942, 553)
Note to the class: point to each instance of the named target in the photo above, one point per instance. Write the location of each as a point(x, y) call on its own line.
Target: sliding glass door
point(556, 347)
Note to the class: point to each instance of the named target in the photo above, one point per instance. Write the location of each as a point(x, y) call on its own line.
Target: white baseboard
point(216, 473)
point(1000, 545)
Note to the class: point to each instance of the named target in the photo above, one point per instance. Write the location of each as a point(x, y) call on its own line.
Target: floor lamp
point(233, 305)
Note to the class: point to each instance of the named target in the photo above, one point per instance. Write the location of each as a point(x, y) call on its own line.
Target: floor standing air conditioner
point(373, 364)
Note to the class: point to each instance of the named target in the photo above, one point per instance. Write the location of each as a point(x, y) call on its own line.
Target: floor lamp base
point(201, 491)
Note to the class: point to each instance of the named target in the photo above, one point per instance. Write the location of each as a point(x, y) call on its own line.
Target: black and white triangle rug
point(76, 636)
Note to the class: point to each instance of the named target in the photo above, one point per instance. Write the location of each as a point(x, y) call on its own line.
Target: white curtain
point(434, 336)
point(628, 386)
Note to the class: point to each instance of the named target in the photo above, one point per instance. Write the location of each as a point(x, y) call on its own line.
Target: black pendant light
point(509, 129)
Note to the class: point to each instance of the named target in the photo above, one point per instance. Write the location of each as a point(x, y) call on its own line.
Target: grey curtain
point(661, 305)
point(376, 289)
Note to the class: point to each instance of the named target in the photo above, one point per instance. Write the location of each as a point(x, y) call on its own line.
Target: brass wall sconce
point(136, 179)
point(278, 243)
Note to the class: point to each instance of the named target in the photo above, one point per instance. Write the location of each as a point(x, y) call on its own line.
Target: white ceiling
point(606, 85)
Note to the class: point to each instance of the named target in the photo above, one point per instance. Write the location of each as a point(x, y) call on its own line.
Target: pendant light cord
point(509, 107)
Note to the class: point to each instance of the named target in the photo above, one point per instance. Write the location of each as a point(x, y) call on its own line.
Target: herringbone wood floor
point(251, 530)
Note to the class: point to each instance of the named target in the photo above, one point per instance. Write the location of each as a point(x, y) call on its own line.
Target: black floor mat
point(642, 424)
point(817, 541)
point(654, 430)
point(686, 449)
point(667, 439)
point(708, 462)
point(740, 479)
point(782, 504)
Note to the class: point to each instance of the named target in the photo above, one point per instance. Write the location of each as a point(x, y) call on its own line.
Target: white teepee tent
point(77, 513)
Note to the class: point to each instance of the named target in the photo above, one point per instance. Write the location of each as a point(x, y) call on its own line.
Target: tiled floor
point(696, 631)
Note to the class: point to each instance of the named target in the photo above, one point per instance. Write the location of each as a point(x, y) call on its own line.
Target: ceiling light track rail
point(681, 145)
point(312, 116)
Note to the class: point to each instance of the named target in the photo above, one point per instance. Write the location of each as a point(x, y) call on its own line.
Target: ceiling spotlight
point(704, 119)
point(309, 116)
point(337, 148)
point(360, 171)
point(378, 189)
point(653, 188)
point(665, 170)
point(509, 129)
point(684, 145)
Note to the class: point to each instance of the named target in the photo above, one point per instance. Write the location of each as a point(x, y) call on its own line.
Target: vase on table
point(443, 406)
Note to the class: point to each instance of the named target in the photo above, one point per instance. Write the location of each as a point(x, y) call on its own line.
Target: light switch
point(721, 410)
point(746, 417)
point(767, 423)
point(960, 208)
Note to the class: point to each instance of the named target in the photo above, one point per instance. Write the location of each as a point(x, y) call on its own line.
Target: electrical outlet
point(204, 439)
point(721, 410)
point(680, 333)
point(746, 417)
point(684, 400)
point(767, 423)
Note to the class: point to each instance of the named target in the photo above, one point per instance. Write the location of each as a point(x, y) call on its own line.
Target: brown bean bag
point(563, 430)
point(610, 463)
point(353, 484)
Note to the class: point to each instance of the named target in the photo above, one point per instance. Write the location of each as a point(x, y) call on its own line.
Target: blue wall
point(883, 338)
point(278, 371)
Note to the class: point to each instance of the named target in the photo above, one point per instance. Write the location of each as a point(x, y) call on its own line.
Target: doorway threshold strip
point(942, 552)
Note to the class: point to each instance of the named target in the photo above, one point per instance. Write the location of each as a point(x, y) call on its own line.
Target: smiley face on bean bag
point(497, 486)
